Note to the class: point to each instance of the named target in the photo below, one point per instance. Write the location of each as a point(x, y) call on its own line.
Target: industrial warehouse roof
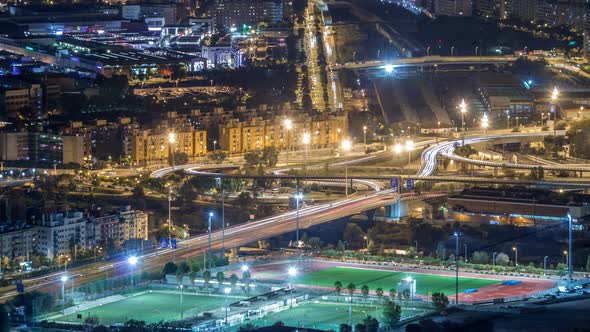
point(124, 57)
point(516, 194)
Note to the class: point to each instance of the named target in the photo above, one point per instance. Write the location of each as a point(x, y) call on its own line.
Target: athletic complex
point(307, 299)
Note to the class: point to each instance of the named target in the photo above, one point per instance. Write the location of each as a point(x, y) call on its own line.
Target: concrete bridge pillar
point(395, 211)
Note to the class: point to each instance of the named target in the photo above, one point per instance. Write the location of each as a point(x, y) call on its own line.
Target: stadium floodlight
point(245, 268)
point(63, 279)
point(132, 260)
point(389, 69)
point(292, 273)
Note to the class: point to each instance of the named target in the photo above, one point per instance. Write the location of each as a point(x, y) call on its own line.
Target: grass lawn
point(149, 307)
point(323, 316)
point(387, 280)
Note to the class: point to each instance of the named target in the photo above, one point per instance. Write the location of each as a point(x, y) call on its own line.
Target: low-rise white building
point(58, 232)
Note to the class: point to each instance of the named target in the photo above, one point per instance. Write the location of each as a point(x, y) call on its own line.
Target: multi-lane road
point(234, 236)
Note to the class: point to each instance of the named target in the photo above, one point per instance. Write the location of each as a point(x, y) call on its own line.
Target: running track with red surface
point(278, 271)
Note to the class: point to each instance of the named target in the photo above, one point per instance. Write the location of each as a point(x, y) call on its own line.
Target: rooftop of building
point(513, 93)
point(12, 227)
point(129, 56)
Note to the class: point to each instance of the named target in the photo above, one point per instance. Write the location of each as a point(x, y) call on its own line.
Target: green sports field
point(323, 316)
point(425, 283)
point(149, 307)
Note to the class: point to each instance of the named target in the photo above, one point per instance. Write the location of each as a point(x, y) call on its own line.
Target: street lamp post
point(292, 273)
point(170, 215)
point(171, 141)
point(365, 135)
point(554, 95)
point(463, 108)
point(409, 148)
point(494, 260)
point(132, 261)
point(346, 146)
point(545, 265)
point(209, 239)
point(565, 257)
point(226, 291)
point(63, 279)
point(298, 197)
point(306, 141)
point(288, 126)
point(485, 123)
point(569, 244)
point(223, 220)
point(515, 249)
point(457, 235)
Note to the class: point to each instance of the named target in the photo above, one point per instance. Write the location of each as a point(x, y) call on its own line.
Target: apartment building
point(240, 136)
point(119, 226)
point(16, 243)
point(153, 145)
point(41, 147)
point(237, 13)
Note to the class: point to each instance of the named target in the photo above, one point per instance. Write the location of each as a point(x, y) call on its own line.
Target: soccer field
point(323, 316)
point(425, 283)
point(149, 307)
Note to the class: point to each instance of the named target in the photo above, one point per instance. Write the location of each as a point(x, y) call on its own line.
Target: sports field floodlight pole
point(209, 239)
point(132, 261)
point(457, 235)
point(226, 290)
point(465, 245)
point(181, 291)
point(292, 273)
point(569, 245)
point(515, 249)
point(494, 260)
point(63, 279)
point(545, 265)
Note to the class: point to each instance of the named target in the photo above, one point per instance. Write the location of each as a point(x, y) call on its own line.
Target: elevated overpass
point(425, 61)
point(447, 150)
